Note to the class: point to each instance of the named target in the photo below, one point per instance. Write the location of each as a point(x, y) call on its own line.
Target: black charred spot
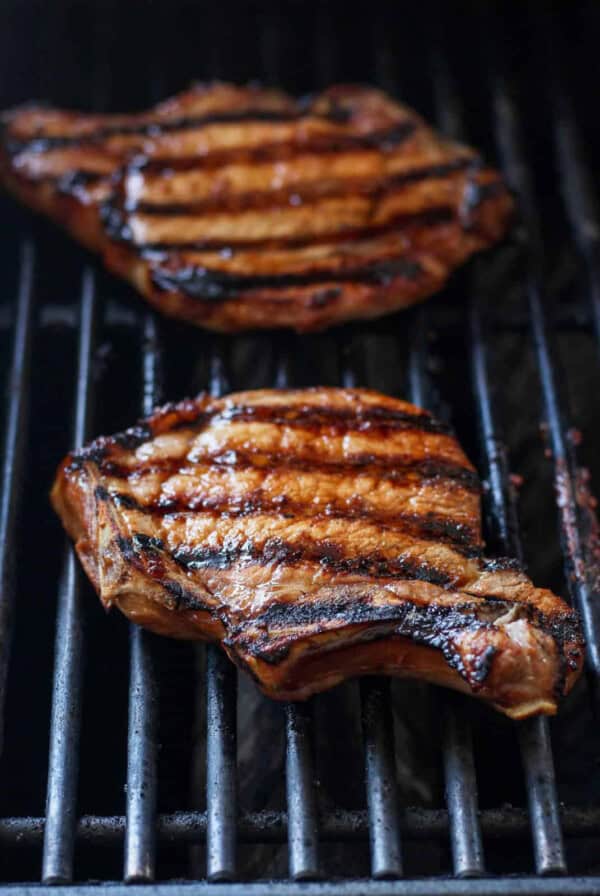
point(134, 436)
point(184, 599)
point(483, 664)
point(501, 564)
point(127, 501)
point(126, 547)
point(73, 181)
point(147, 543)
point(218, 286)
point(94, 453)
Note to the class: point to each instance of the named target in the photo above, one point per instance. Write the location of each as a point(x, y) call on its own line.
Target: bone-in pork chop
point(316, 535)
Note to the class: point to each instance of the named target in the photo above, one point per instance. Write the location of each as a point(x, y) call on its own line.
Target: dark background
point(123, 56)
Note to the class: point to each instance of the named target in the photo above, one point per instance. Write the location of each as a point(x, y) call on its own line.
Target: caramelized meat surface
point(236, 208)
point(316, 535)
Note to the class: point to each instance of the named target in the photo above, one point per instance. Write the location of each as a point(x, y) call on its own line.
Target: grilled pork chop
point(237, 207)
point(316, 535)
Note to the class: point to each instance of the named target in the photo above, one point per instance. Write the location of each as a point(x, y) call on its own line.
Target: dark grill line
point(369, 417)
point(385, 139)
point(436, 627)
point(432, 625)
point(352, 420)
point(329, 555)
point(221, 286)
point(184, 123)
point(396, 469)
point(118, 229)
point(305, 191)
point(426, 527)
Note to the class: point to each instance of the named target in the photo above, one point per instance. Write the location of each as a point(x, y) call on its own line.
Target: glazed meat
point(316, 535)
point(236, 208)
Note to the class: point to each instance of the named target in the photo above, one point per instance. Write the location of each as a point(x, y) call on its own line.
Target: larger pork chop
point(236, 207)
point(316, 535)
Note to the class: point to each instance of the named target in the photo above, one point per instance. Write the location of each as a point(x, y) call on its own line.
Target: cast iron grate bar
point(580, 568)
point(508, 824)
point(459, 763)
point(382, 786)
point(14, 456)
point(301, 797)
point(140, 833)
point(534, 735)
point(378, 735)
point(221, 743)
point(303, 832)
point(65, 722)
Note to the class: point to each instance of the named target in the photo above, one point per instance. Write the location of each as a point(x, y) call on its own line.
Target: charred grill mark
point(147, 542)
point(501, 564)
point(328, 555)
point(134, 436)
point(384, 139)
point(393, 468)
point(157, 127)
point(220, 286)
point(341, 420)
point(74, 181)
point(426, 527)
point(365, 419)
point(94, 453)
point(117, 228)
point(270, 636)
point(183, 598)
point(144, 552)
point(264, 199)
point(433, 626)
point(483, 664)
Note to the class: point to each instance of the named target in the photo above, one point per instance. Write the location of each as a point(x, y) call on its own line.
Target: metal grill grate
point(511, 299)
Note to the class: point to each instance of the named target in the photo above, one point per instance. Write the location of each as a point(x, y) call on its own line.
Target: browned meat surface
point(237, 207)
point(316, 535)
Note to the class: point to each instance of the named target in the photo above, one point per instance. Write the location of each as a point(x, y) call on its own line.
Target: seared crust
point(236, 208)
point(315, 534)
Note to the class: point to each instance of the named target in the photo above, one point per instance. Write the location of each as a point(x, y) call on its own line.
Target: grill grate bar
point(140, 834)
point(580, 568)
point(461, 790)
point(141, 762)
point(14, 456)
point(382, 791)
point(65, 722)
point(221, 743)
point(378, 735)
point(221, 780)
point(534, 737)
point(303, 834)
point(459, 763)
point(350, 825)
point(301, 797)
